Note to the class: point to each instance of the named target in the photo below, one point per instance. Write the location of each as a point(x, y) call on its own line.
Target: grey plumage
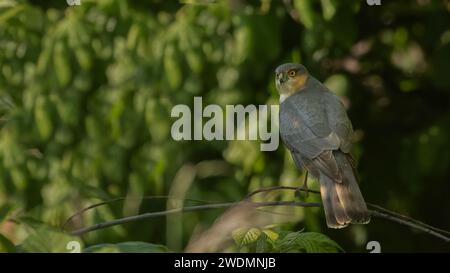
point(315, 128)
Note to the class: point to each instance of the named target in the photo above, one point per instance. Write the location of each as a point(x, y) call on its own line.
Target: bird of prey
point(315, 128)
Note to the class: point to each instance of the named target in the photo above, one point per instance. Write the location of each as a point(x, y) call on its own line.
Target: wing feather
point(313, 123)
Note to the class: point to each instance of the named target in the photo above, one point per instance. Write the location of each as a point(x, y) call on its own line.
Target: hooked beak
point(281, 79)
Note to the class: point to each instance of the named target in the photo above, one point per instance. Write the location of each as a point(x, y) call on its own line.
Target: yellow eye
point(291, 73)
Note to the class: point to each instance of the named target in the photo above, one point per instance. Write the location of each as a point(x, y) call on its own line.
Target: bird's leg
point(304, 187)
point(305, 184)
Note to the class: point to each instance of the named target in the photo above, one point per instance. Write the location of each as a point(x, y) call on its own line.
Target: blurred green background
point(86, 93)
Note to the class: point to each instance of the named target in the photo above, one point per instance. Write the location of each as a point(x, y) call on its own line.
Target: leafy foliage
point(309, 242)
point(44, 239)
point(267, 240)
point(255, 239)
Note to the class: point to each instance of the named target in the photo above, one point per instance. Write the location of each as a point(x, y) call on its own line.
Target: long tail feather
point(342, 201)
point(335, 214)
point(349, 192)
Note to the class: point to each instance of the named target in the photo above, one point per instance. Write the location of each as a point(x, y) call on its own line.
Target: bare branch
point(80, 212)
point(408, 219)
point(410, 224)
point(376, 211)
point(186, 209)
point(280, 188)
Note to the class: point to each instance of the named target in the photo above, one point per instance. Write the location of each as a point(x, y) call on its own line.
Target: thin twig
point(186, 209)
point(78, 213)
point(279, 188)
point(410, 224)
point(409, 219)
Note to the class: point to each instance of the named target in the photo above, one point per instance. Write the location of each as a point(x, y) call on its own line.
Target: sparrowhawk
point(316, 129)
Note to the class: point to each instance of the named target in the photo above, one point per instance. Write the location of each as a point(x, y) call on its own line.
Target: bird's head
point(290, 78)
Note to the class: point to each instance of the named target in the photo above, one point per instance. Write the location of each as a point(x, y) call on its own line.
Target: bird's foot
point(302, 189)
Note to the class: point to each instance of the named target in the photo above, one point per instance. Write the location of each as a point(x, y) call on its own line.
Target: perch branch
point(410, 224)
point(143, 216)
point(279, 188)
point(80, 212)
point(408, 219)
point(376, 211)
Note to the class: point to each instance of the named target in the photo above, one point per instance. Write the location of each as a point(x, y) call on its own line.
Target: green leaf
point(12, 13)
point(271, 235)
point(245, 236)
point(255, 239)
point(133, 36)
point(328, 9)
point(172, 67)
point(309, 242)
point(61, 64)
point(264, 244)
point(194, 60)
point(83, 58)
point(243, 44)
point(43, 118)
point(6, 245)
point(306, 12)
point(48, 240)
point(127, 247)
point(44, 60)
